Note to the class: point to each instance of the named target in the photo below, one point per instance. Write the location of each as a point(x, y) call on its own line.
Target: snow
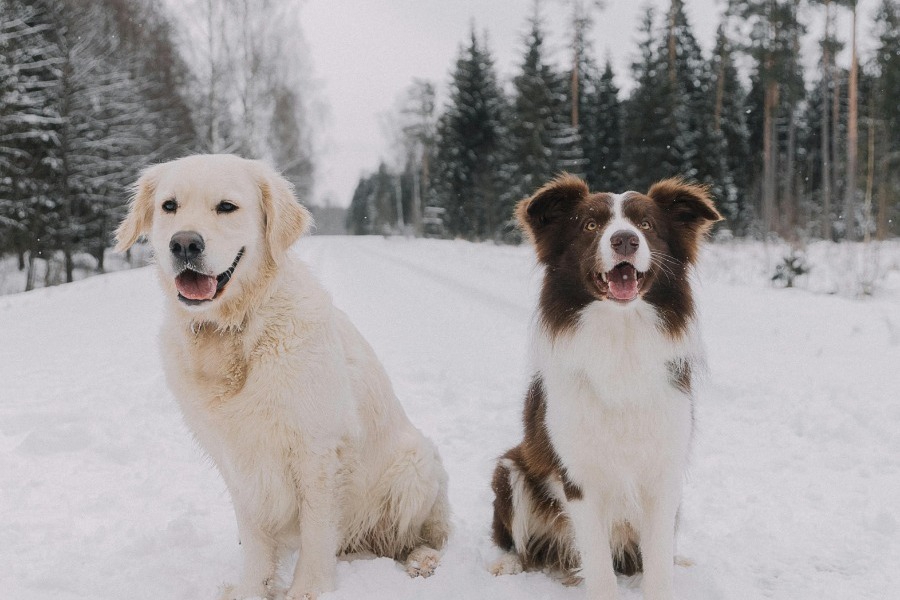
point(792, 492)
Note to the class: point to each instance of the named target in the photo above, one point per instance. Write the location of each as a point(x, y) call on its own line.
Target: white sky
point(365, 53)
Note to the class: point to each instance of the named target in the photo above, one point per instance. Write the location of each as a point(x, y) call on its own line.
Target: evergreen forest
point(787, 152)
point(93, 91)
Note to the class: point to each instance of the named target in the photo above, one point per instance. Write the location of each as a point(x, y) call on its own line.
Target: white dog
point(277, 385)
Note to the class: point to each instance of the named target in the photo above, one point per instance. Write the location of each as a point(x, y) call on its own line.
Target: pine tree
point(535, 117)
point(669, 130)
point(699, 146)
point(649, 126)
point(566, 146)
point(774, 98)
point(601, 131)
point(583, 67)
point(810, 168)
point(415, 137)
point(360, 214)
point(30, 125)
point(470, 150)
point(729, 121)
point(77, 127)
point(376, 207)
point(104, 134)
point(887, 115)
point(824, 182)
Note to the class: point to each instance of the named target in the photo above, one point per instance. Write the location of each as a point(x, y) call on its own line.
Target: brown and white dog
point(277, 385)
point(595, 485)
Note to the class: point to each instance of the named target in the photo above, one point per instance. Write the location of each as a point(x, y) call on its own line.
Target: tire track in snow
point(504, 306)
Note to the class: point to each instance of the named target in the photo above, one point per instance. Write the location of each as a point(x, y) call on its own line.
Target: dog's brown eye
point(170, 206)
point(645, 225)
point(591, 225)
point(225, 207)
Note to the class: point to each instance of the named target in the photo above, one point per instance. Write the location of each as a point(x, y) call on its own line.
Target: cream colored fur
point(281, 390)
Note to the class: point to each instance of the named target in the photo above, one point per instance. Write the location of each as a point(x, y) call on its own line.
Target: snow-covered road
point(793, 492)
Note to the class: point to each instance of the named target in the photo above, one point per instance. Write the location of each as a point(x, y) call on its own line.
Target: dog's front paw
point(422, 562)
point(244, 592)
point(508, 564)
point(310, 588)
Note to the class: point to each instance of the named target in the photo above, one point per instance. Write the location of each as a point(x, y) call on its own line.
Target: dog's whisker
point(663, 268)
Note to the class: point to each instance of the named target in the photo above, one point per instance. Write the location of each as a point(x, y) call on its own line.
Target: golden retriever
point(277, 385)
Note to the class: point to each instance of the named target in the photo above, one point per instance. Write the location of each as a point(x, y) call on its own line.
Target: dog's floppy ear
point(687, 203)
point(548, 204)
point(285, 219)
point(140, 210)
point(688, 206)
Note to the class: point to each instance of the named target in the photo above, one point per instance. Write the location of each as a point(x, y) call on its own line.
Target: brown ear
point(685, 203)
point(690, 210)
point(286, 220)
point(548, 204)
point(140, 210)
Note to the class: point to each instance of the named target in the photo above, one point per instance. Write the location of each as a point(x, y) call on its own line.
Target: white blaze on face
point(623, 252)
point(619, 222)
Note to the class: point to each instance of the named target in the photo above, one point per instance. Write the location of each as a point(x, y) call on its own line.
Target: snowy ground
point(793, 493)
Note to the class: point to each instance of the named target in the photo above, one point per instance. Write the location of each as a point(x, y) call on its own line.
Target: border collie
point(594, 487)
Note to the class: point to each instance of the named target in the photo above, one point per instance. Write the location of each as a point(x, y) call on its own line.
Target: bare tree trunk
point(870, 178)
point(720, 95)
point(398, 194)
point(827, 85)
point(671, 40)
point(852, 139)
point(68, 200)
point(835, 132)
point(424, 185)
point(247, 81)
point(29, 276)
point(789, 196)
point(100, 247)
point(884, 197)
point(769, 188)
point(212, 133)
point(70, 265)
point(416, 205)
point(574, 84)
point(826, 158)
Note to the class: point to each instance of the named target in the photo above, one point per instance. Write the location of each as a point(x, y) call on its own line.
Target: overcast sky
point(366, 52)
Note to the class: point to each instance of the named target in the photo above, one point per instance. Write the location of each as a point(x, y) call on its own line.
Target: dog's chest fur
point(616, 416)
point(214, 360)
point(250, 435)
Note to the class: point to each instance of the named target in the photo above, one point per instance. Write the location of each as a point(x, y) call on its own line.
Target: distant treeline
point(782, 157)
point(92, 91)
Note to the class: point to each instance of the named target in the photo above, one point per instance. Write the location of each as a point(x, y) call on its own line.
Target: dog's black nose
point(625, 242)
point(187, 245)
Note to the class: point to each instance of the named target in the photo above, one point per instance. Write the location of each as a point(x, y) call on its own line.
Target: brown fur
point(565, 221)
point(682, 214)
point(536, 460)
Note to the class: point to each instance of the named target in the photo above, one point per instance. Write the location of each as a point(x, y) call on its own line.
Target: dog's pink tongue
point(623, 283)
point(196, 286)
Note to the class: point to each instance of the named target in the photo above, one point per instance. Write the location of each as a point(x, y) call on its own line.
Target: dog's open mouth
point(622, 283)
point(195, 288)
